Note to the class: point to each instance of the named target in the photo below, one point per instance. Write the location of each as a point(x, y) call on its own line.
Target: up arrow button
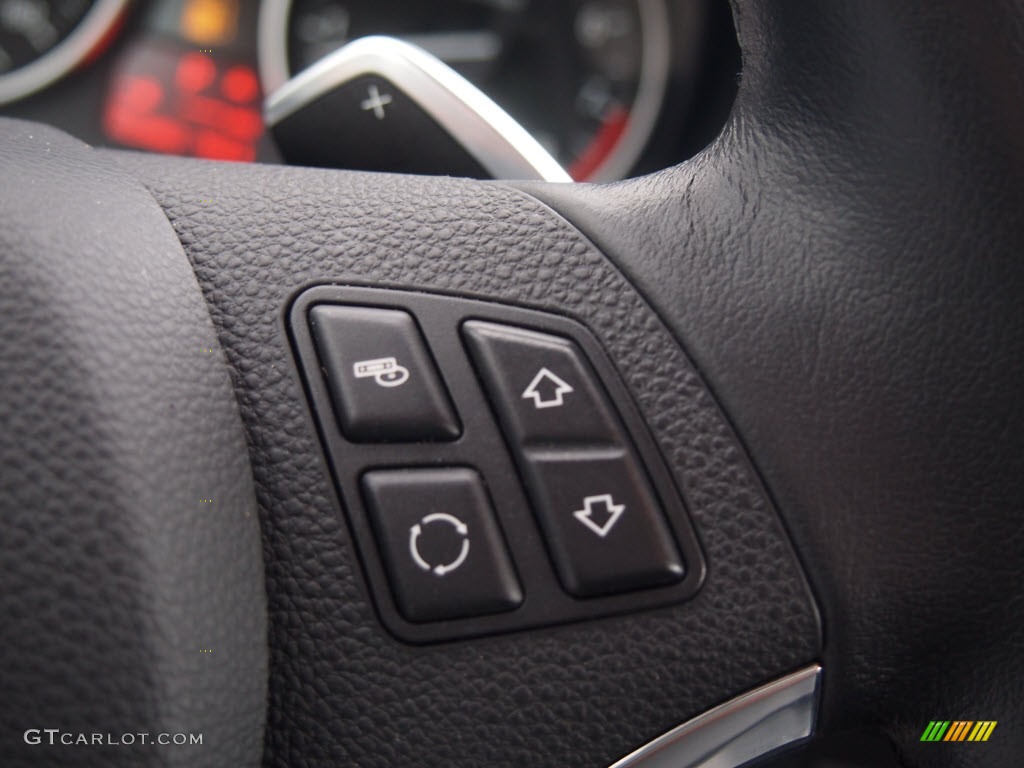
point(547, 390)
point(542, 387)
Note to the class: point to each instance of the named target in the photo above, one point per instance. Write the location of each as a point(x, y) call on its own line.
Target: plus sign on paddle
point(375, 102)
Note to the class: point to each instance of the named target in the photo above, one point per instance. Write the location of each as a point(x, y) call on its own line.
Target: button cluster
point(603, 524)
point(488, 467)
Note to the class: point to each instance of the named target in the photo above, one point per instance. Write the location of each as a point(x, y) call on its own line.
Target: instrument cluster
point(611, 88)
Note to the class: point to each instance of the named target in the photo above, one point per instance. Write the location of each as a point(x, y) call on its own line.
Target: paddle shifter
point(380, 104)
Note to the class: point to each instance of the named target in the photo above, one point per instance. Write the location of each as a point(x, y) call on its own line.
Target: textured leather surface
point(343, 691)
point(845, 266)
point(117, 420)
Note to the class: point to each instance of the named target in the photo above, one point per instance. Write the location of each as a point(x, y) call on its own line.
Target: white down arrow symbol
point(592, 505)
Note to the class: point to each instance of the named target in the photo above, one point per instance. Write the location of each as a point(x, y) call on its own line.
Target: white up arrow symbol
point(545, 379)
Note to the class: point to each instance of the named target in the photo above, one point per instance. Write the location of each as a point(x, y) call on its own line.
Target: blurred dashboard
point(611, 88)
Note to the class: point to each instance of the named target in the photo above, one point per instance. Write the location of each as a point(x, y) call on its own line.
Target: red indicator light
point(240, 85)
point(184, 103)
point(129, 119)
point(216, 147)
point(237, 122)
point(195, 73)
point(141, 94)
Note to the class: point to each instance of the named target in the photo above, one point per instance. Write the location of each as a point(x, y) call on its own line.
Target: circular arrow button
point(416, 532)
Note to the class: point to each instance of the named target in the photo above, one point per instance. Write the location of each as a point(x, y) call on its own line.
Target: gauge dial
point(585, 77)
point(43, 40)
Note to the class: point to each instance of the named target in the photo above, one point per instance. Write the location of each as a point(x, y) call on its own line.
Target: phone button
point(383, 382)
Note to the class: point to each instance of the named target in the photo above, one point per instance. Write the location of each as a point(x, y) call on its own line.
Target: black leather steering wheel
point(819, 318)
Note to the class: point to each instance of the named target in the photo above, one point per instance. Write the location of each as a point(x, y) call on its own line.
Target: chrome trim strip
point(495, 140)
point(65, 55)
point(739, 730)
point(272, 43)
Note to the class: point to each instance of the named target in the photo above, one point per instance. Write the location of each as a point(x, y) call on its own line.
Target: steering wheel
point(817, 321)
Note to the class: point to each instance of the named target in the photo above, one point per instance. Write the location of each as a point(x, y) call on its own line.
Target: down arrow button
point(603, 525)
